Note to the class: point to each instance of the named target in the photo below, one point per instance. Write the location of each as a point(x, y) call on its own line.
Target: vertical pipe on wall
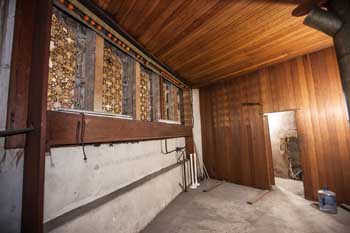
point(193, 185)
point(195, 170)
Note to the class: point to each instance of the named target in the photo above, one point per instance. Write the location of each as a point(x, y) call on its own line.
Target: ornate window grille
point(62, 66)
point(145, 96)
point(112, 95)
point(172, 102)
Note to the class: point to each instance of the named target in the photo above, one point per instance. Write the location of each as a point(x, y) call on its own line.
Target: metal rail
point(10, 132)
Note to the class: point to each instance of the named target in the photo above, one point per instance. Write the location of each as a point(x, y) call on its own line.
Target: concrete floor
point(294, 186)
point(224, 210)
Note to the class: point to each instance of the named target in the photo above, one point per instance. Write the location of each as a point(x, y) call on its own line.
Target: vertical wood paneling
point(233, 132)
point(310, 85)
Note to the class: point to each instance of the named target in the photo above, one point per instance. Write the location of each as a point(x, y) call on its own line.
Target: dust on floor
point(224, 209)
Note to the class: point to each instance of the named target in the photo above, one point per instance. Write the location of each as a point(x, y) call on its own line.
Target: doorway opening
point(286, 163)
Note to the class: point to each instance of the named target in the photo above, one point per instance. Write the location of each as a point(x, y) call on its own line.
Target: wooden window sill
point(64, 129)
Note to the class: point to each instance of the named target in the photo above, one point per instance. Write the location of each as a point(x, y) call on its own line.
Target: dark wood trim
point(65, 128)
point(29, 87)
point(188, 118)
point(112, 23)
point(161, 96)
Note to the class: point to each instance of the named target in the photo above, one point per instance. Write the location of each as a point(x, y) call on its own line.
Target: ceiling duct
point(335, 22)
point(323, 21)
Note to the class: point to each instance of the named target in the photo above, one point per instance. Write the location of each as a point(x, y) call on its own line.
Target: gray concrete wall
point(7, 18)
point(70, 182)
point(11, 161)
point(132, 211)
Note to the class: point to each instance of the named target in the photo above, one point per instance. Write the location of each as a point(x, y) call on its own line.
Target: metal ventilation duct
point(335, 22)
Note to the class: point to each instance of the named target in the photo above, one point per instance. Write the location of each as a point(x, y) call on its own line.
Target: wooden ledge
point(65, 129)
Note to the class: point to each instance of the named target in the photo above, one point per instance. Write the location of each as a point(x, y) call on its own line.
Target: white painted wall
point(281, 125)
point(71, 182)
point(197, 130)
point(11, 161)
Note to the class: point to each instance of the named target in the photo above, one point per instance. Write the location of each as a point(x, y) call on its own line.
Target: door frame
point(302, 161)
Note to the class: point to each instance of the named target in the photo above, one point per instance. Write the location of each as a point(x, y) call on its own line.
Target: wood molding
point(98, 86)
point(64, 129)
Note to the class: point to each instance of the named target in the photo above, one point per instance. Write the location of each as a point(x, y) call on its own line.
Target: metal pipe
point(193, 185)
point(195, 170)
point(185, 173)
point(10, 132)
point(166, 148)
point(323, 21)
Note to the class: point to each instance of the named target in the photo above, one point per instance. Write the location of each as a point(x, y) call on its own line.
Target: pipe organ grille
point(177, 104)
point(145, 97)
point(62, 66)
point(172, 102)
point(112, 95)
point(167, 100)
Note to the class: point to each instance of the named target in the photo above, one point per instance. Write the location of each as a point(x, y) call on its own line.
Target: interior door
point(268, 150)
point(254, 153)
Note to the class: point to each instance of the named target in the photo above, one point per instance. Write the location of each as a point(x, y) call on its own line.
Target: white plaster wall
point(11, 161)
point(71, 182)
point(281, 125)
point(197, 131)
point(132, 211)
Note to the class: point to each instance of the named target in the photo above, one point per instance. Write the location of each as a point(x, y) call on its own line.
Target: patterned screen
point(178, 103)
point(62, 66)
point(145, 98)
point(112, 97)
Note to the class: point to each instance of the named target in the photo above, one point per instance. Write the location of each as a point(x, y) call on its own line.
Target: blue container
point(327, 201)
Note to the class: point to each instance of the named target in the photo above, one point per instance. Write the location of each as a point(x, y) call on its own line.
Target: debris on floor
point(258, 197)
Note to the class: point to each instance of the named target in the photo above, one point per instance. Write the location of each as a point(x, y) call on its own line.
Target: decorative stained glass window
point(62, 66)
point(112, 96)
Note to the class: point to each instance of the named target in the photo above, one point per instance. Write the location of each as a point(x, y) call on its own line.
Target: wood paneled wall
point(309, 84)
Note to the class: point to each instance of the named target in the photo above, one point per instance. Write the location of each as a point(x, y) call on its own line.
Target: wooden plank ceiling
point(207, 40)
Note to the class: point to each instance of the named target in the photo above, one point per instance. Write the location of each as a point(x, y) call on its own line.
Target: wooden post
point(98, 85)
point(27, 102)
